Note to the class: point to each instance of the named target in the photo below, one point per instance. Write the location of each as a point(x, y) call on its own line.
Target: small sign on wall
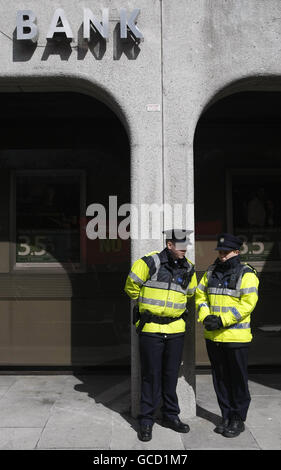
point(154, 107)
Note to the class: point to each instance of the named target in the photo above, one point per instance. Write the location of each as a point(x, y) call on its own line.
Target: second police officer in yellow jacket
point(225, 298)
point(161, 284)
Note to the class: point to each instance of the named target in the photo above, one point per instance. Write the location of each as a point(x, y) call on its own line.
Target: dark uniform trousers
point(160, 356)
point(230, 377)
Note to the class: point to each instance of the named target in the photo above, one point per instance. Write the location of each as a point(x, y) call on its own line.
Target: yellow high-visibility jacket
point(233, 305)
point(157, 287)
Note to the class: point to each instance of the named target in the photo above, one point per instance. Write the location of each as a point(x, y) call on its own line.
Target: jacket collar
point(228, 265)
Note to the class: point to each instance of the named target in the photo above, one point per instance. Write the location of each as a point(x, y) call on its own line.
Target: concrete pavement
point(92, 412)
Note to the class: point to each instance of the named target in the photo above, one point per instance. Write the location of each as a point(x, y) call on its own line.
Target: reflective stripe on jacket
point(158, 289)
point(233, 306)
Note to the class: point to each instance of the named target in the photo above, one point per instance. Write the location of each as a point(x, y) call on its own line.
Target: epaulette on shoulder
point(148, 257)
point(250, 268)
point(151, 253)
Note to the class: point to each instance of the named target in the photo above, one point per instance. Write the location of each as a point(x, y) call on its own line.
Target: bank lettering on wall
point(28, 26)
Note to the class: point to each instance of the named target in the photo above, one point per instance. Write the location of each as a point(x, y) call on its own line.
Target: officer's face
point(224, 255)
point(177, 253)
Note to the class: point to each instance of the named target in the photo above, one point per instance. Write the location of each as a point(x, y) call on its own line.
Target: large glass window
point(62, 299)
point(237, 189)
point(254, 214)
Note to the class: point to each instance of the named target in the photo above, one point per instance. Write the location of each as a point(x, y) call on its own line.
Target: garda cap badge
point(221, 240)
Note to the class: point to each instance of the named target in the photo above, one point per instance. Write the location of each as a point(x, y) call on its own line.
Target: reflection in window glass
point(48, 217)
point(256, 214)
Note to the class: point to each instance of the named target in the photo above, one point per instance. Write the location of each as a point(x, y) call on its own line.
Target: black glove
point(212, 322)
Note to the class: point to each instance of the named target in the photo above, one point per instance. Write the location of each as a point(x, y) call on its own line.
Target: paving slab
point(19, 410)
point(7, 380)
point(124, 432)
point(203, 437)
point(19, 438)
point(73, 401)
point(6, 383)
point(267, 436)
point(34, 384)
point(263, 410)
point(263, 390)
point(76, 429)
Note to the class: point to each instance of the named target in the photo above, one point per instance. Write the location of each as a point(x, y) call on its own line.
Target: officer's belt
point(147, 317)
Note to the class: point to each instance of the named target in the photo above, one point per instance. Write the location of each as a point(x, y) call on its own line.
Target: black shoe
point(235, 427)
point(175, 424)
point(222, 426)
point(145, 432)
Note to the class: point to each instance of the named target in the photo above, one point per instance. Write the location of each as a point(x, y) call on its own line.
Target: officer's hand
point(212, 322)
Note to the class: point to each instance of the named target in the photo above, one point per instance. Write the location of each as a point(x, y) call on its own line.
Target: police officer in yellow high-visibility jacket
point(225, 298)
point(161, 284)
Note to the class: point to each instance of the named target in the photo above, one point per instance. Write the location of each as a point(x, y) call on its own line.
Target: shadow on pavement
point(112, 391)
point(270, 377)
point(207, 415)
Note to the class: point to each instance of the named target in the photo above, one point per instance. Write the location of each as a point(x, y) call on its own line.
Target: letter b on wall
point(26, 26)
